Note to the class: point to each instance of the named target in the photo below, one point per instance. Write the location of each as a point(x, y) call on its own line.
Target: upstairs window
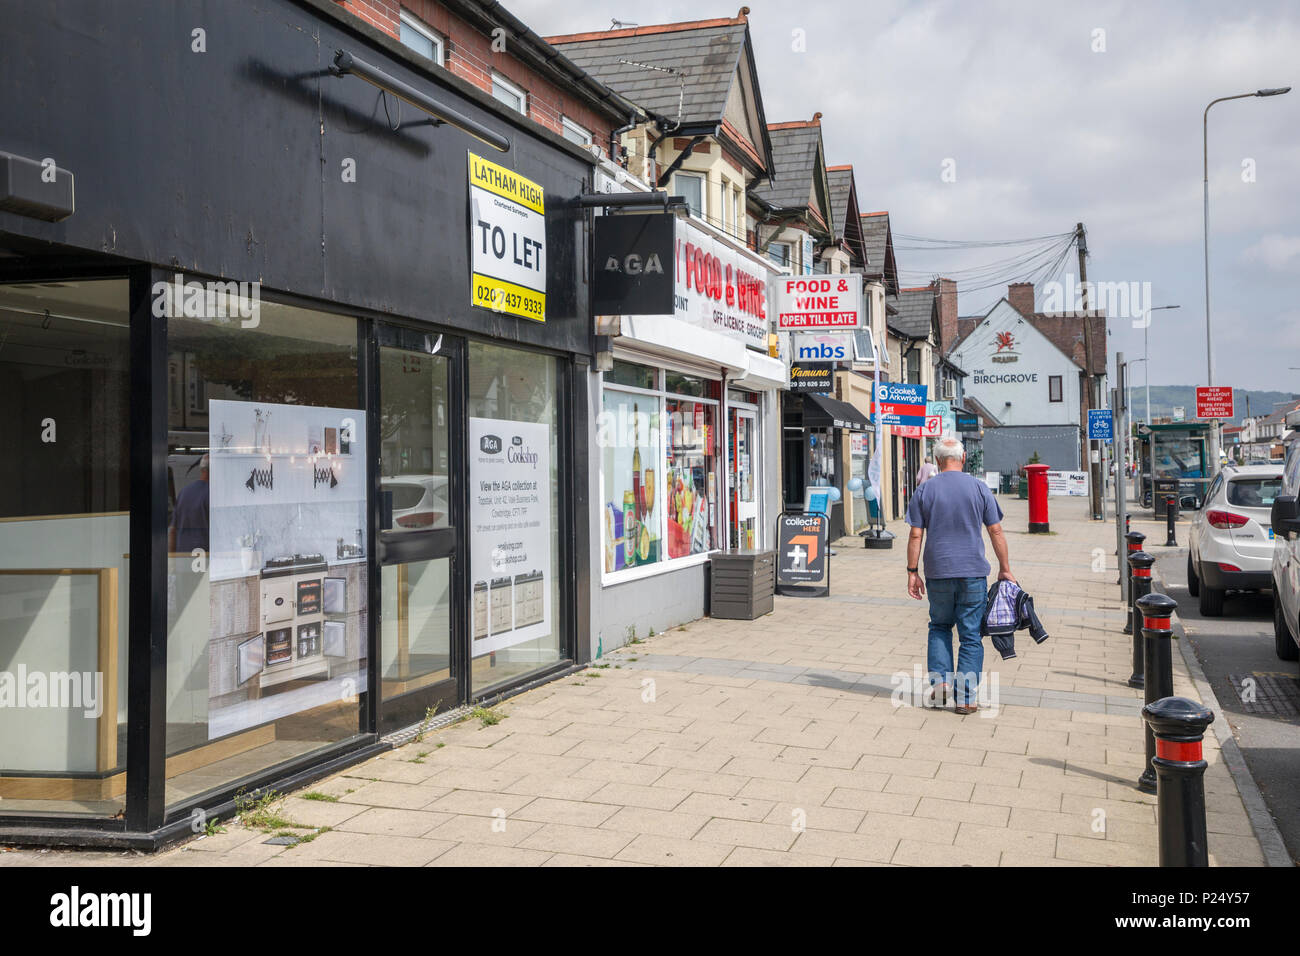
point(1054, 389)
point(575, 133)
point(422, 38)
point(690, 186)
point(509, 94)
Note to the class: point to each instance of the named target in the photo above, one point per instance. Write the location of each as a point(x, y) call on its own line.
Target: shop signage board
point(1100, 424)
point(819, 302)
point(968, 423)
point(1214, 401)
point(509, 533)
point(1073, 484)
point(287, 543)
point(802, 565)
point(632, 264)
point(812, 378)
point(507, 226)
point(901, 404)
point(944, 411)
point(718, 288)
point(822, 347)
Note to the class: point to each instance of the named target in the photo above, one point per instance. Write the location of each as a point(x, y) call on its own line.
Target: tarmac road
point(1240, 644)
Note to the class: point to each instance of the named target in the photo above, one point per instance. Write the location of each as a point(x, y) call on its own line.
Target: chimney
point(946, 293)
point(1021, 297)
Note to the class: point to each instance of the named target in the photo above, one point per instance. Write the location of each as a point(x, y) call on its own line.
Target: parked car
point(1231, 538)
point(418, 501)
point(1285, 518)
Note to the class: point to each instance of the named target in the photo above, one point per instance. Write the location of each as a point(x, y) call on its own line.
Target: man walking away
point(947, 513)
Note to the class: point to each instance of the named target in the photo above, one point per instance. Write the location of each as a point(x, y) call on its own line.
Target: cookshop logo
point(1005, 351)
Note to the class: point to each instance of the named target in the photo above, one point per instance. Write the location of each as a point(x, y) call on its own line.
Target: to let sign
point(812, 303)
point(507, 220)
point(1214, 401)
point(901, 404)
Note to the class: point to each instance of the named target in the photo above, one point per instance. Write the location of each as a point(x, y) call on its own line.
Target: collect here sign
point(507, 219)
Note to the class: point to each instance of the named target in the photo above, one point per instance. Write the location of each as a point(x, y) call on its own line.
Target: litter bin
point(1164, 486)
point(741, 584)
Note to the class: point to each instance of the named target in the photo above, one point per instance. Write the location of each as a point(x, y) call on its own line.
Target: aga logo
point(635, 265)
point(490, 445)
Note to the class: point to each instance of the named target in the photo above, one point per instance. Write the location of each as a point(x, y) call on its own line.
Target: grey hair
point(948, 447)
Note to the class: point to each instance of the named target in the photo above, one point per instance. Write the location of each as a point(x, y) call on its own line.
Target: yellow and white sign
point(507, 223)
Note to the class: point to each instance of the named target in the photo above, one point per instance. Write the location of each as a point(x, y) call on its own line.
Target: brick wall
point(470, 56)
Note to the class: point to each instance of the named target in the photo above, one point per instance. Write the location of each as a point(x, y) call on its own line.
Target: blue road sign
point(1101, 426)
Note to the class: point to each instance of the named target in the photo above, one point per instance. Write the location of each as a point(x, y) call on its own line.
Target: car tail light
point(425, 519)
point(1228, 567)
point(1224, 520)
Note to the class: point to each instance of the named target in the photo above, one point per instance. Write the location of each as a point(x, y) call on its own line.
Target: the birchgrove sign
point(819, 302)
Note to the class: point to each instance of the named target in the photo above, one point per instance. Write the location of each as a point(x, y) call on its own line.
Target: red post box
point(1037, 498)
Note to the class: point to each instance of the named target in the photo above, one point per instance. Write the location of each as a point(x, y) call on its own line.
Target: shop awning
point(824, 411)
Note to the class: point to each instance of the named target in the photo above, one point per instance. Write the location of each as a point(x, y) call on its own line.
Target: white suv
point(1231, 542)
point(1286, 563)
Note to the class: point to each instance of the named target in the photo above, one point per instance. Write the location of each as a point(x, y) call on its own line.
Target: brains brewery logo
point(1004, 351)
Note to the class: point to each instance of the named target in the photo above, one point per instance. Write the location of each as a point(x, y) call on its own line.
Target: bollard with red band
point(1171, 518)
point(1038, 523)
point(1134, 539)
point(1157, 668)
point(1178, 725)
point(1139, 563)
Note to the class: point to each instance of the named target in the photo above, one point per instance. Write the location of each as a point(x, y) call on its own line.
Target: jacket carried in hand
point(1009, 609)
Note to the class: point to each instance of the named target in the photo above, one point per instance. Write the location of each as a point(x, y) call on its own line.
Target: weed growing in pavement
point(486, 716)
point(262, 813)
point(317, 795)
point(424, 724)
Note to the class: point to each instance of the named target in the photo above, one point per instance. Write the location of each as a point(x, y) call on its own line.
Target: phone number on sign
point(516, 303)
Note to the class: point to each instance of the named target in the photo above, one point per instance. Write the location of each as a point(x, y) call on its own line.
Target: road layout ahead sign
point(507, 221)
point(901, 404)
point(1214, 401)
point(1100, 424)
point(819, 303)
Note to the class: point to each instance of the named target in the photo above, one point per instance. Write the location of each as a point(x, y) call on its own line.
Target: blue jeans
point(957, 601)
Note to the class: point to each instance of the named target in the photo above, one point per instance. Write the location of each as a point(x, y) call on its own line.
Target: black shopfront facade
point(275, 487)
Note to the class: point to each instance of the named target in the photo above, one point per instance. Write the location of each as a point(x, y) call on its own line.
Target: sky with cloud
point(1044, 129)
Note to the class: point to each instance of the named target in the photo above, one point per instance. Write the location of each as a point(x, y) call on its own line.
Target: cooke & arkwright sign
point(507, 223)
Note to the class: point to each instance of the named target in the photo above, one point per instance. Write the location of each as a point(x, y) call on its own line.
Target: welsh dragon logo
point(1004, 353)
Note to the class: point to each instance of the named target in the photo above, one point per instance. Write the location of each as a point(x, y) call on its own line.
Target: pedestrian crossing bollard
point(1158, 668)
point(1135, 539)
point(1178, 725)
point(1139, 563)
point(1171, 518)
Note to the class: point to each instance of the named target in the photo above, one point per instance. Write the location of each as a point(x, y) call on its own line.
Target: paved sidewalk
point(776, 742)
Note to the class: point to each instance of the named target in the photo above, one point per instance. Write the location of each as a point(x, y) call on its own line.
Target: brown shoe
point(938, 696)
point(964, 709)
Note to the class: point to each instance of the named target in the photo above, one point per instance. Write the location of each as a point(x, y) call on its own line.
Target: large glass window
point(514, 525)
point(661, 462)
point(267, 572)
point(64, 544)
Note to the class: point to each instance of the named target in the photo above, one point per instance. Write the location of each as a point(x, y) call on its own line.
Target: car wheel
point(1211, 601)
point(1193, 582)
point(1283, 643)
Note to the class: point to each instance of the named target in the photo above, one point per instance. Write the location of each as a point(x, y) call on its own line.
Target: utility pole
point(1094, 466)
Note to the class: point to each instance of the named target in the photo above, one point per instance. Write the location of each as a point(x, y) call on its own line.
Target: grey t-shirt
point(954, 508)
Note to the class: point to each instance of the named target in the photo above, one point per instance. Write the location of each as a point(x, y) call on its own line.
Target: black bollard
point(1171, 517)
point(1158, 668)
point(1139, 563)
point(1178, 725)
point(1135, 539)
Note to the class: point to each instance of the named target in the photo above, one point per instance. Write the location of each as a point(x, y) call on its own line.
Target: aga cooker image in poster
point(288, 560)
point(510, 528)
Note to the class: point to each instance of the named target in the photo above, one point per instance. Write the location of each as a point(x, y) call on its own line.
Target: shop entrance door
point(420, 434)
point(742, 478)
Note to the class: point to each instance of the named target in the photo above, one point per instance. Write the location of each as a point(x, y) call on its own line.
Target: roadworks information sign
point(507, 226)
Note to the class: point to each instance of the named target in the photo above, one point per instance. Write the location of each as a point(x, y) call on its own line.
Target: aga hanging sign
point(507, 224)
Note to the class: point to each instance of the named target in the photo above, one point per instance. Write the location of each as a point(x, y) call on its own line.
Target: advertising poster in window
point(287, 560)
point(509, 533)
point(507, 219)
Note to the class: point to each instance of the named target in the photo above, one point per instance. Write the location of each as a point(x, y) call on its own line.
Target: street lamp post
point(1213, 468)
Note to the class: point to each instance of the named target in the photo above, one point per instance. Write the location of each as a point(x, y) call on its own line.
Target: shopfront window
point(514, 525)
point(267, 538)
point(64, 544)
point(662, 456)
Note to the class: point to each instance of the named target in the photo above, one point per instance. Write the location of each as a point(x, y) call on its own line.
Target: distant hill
point(1165, 397)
